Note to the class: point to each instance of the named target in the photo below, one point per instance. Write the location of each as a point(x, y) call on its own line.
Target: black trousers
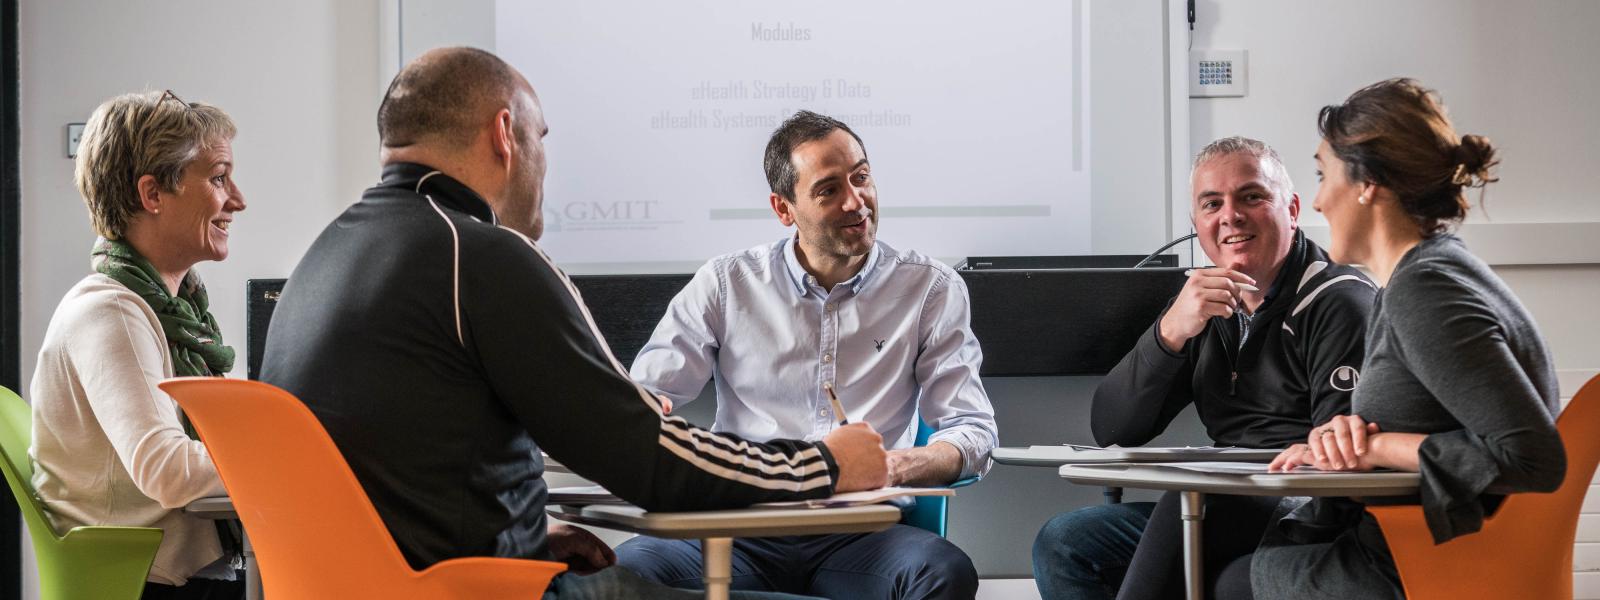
point(1233, 526)
point(196, 589)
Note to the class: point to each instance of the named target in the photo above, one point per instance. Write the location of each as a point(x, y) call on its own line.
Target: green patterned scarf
point(192, 335)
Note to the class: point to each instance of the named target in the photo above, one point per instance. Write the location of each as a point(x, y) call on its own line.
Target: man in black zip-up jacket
point(1266, 346)
point(442, 350)
point(1295, 369)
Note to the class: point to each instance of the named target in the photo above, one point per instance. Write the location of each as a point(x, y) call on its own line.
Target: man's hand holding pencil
point(858, 449)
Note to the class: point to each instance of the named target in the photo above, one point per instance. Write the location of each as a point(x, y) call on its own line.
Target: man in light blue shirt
point(777, 324)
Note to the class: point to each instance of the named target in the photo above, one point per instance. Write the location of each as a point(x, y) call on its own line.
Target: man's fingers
point(1217, 303)
point(591, 556)
point(1238, 277)
point(1221, 273)
point(1234, 289)
point(1282, 458)
point(1289, 459)
point(1300, 458)
point(1218, 278)
point(863, 425)
point(1215, 309)
point(1212, 285)
point(600, 556)
point(1223, 283)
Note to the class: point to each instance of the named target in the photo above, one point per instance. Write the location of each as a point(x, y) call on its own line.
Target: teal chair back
point(88, 562)
point(931, 512)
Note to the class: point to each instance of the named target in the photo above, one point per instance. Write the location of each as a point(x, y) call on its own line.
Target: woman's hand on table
point(1341, 444)
point(1350, 443)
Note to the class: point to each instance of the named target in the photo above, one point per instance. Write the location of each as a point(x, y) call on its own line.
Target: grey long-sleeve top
point(1453, 354)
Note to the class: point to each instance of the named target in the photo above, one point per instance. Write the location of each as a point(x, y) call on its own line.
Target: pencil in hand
point(838, 409)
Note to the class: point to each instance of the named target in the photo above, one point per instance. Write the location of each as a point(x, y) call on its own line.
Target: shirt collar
point(444, 189)
point(1293, 267)
point(801, 279)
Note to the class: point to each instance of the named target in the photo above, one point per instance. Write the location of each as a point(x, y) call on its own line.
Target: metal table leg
point(717, 561)
point(1113, 494)
point(1193, 508)
point(252, 570)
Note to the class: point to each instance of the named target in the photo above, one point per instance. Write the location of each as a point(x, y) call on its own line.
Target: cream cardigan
point(108, 448)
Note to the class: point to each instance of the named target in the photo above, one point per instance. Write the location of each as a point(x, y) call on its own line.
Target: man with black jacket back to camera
point(442, 350)
point(1265, 345)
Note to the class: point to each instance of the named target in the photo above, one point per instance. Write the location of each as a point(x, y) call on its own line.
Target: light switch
point(74, 134)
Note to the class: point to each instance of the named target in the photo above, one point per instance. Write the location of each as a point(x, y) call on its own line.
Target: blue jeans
point(898, 563)
point(1084, 554)
point(618, 583)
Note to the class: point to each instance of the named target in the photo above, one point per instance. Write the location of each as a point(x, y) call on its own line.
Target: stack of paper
point(1073, 453)
point(1244, 468)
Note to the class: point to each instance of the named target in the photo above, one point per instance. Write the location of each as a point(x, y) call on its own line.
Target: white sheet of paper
point(1244, 468)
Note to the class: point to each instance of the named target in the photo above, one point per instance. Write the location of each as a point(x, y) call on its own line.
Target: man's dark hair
point(441, 96)
point(804, 126)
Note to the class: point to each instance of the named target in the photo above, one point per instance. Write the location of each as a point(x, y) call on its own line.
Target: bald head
point(445, 97)
point(467, 114)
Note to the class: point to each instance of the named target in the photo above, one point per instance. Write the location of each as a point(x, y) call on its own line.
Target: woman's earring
point(1362, 199)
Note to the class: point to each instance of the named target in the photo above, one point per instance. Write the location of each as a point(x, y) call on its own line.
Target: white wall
point(1521, 73)
point(299, 78)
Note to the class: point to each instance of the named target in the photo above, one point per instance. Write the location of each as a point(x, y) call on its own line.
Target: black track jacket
point(442, 351)
point(1295, 371)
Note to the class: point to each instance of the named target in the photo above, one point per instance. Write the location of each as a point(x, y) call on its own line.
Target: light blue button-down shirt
point(895, 341)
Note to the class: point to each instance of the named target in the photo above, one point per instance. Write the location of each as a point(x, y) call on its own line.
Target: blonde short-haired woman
point(109, 447)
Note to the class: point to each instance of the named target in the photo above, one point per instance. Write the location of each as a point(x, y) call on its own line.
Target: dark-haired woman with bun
point(1457, 383)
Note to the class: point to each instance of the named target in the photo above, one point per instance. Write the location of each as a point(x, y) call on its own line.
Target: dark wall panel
point(10, 280)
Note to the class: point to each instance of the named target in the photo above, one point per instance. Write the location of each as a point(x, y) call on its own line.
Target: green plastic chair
point(931, 512)
point(89, 562)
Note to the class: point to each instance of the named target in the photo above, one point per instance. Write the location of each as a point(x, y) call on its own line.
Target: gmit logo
point(1344, 378)
point(618, 210)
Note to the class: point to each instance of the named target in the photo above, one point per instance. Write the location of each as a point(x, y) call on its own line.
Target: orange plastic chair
point(1525, 549)
point(314, 530)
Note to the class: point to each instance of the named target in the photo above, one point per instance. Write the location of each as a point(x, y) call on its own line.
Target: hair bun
point(1475, 156)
